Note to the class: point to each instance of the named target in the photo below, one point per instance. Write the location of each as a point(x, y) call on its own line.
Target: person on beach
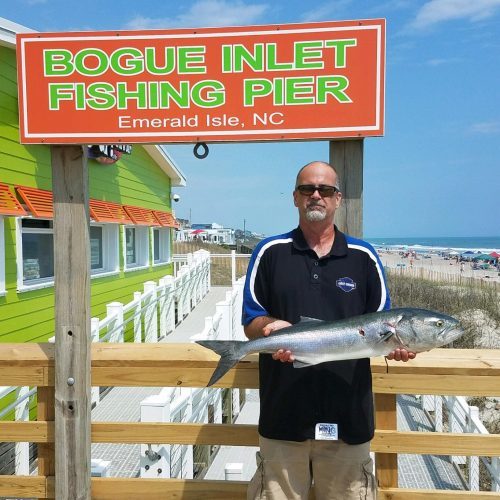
point(316, 422)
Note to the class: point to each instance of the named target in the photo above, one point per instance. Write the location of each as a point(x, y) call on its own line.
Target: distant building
point(209, 233)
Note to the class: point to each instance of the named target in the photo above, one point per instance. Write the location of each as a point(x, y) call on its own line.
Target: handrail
point(471, 372)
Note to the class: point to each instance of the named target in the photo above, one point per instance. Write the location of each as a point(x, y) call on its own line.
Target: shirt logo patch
point(346, 284)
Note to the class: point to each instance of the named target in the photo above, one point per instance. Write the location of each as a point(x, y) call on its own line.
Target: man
point(316, 422)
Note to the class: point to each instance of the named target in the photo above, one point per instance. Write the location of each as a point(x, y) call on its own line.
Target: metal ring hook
point(203, 155)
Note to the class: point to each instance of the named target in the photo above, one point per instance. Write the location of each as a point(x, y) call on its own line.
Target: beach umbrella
point(198, 231)
point(483, 256)
point(495, 255)
point(453, 252)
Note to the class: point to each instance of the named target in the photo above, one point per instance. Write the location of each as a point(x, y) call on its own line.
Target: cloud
point(325, 11)
point(436, 11)
point(439, 62)
point(486, 127)
point(205, 13)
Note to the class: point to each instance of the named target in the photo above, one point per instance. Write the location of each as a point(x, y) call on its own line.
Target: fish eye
point(439, 322)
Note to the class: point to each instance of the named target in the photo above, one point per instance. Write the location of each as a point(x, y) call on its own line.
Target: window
point(161, 245)
point(103, 248)
point(2, 258)
point(136, 246)
point(36, 248)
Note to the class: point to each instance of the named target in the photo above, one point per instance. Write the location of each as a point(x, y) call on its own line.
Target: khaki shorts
point(286, 470)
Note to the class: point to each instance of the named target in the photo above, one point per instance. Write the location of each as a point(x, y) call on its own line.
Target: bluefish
point(313, 341)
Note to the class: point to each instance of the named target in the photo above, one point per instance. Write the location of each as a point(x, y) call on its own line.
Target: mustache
point(314, 204)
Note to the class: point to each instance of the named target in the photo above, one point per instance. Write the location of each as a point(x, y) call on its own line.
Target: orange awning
point(39, 201)
point(166, 219)
point(141, 216)
point(106, 211)
point(8, 202)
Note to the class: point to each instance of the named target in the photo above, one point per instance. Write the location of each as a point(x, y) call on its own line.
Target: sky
point(435, 172)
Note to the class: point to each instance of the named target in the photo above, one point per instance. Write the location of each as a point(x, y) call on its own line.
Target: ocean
point(485, 243)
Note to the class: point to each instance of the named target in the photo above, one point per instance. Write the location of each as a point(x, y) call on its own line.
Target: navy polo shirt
point(287, 280)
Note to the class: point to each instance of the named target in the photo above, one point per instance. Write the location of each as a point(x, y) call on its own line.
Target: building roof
point(8, 30)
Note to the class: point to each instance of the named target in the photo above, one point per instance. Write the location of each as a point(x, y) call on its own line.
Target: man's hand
point(281, 354)
point(401, 355)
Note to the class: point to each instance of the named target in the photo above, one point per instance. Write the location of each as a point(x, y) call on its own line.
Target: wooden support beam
point(386, 464)
point(346, 156)
point(72, 321)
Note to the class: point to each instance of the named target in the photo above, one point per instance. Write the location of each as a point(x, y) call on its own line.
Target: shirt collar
point(339, 247)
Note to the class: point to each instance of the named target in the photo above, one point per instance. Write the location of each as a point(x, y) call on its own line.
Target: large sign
point(288, 82)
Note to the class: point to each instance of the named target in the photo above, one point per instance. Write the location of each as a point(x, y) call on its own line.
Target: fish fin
point(300, 364)
point(230, 353)
point(306, 319)
point(385, 336)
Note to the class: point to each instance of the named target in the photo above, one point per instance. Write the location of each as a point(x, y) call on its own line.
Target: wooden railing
point(441, 371)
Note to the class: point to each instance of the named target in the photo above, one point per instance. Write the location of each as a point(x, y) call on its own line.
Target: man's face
point(316, 207)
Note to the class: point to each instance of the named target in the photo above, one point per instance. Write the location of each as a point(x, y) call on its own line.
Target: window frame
point(110, 253)
point(164, 242)
point(142, 244)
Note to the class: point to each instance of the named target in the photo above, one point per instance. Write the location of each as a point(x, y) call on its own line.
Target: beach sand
point(437, 264)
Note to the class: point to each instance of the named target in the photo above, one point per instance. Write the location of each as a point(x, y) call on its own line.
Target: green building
point(131, 226)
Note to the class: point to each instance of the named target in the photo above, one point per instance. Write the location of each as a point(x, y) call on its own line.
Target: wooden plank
point(386, 464)
point(72, 320)
point(346, 156)
point(23, 375)
point(445, 361)
point(26, 355)
point(31, 432)
point(412, 494)
point(23, 486)
point(175, 433)
point(384, 442)
point(166, 376)
point(138, 489)
point(436, 443)
point(467, 385)
point(168, 489)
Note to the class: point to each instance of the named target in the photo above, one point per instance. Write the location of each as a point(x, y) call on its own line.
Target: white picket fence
point(152, 314)
point(462, 418)
point(192, 404)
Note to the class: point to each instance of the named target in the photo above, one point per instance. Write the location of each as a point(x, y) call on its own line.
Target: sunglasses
point(323, 189)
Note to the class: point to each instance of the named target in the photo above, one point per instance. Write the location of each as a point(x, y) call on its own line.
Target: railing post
point(495, 480)
point(162, 299)
point(473, 461)
point(46, 412)
point(22, 449)
point(138, 318)
point(94, 333)
point(116, 326)
point(386, 464)
point(151, 314)
point(233, 267)
point(155, 459)
point(169, 306)
point(455, 426)
point(438, 414)
point(188, 461)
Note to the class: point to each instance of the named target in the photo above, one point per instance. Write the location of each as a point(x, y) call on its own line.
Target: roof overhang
point(8, 30)
point(166, 163)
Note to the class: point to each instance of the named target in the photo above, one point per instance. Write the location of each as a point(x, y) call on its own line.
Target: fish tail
point(230, 353)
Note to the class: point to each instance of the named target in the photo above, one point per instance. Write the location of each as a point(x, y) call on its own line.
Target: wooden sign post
point(72, 321)
point(346, 156)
